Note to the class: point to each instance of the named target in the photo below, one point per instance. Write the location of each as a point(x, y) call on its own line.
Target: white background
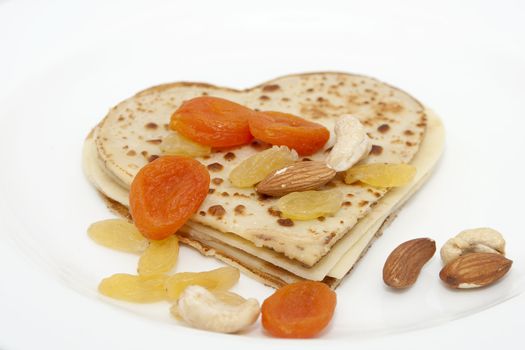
point(64, 63)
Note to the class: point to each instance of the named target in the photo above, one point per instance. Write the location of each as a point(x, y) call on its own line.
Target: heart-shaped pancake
point(130, 135)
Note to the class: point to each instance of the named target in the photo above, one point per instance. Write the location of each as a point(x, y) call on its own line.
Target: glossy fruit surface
point(138, 289)
point(381, 175)
point(213, 121)
point(283, 129)
point(309, 205)
point(219, 279)
point(166, 193)
point(118, 234)
point(255, 168)
point(160, 257)
point(299, 310)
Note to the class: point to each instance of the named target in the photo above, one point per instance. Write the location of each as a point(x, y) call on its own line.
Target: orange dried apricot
point(166, 193)
point(283, 129)
point(213, 121)
point(299, 310)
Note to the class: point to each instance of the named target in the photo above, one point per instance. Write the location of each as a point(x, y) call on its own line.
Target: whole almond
point(475, 270)
point(300, 176)
point(403, 265)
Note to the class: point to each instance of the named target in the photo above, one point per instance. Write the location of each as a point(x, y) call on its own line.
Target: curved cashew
point(228, 313)
point(352, 143)
point(478, 240)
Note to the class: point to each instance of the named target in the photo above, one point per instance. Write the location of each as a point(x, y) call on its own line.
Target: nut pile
point(474, 258)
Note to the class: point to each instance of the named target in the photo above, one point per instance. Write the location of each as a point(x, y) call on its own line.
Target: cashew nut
point(478, 240)
point(352, 143)
point(222, 312)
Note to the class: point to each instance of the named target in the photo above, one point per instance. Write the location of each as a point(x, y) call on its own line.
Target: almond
point(403, 265)
point(475, 270)
point(300, 176)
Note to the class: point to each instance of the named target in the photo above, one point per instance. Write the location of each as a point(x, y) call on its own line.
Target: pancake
point(266, 265)
point(325, 250)
point(131, 133)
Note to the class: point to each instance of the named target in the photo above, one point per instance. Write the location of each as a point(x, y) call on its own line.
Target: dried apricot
point(219, 279)
point(381, 175)
point(285, 129)
point(118, 234)
point(255, 168)
point(138, 289)
point(166, 193)
point(177, 145)
point(309, 205)
point(213, 121)
point(299, 310)
point(160, 257)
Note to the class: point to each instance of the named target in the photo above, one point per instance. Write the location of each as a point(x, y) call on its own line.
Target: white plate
point(63, 64)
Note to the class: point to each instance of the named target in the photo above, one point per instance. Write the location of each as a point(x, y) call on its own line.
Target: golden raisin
point(138, 289)
point(178, 145)
point(219, 279)
point(159, 257)
point(309, 205)
point(255, 168)
point(118, 234)
point(381, 175)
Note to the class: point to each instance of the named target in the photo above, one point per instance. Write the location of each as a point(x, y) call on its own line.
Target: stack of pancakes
point(245, 229)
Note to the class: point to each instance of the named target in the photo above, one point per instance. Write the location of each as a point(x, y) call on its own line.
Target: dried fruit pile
point(153, 282)
point(205, 122)
point(221, 123)
point(203, 299)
